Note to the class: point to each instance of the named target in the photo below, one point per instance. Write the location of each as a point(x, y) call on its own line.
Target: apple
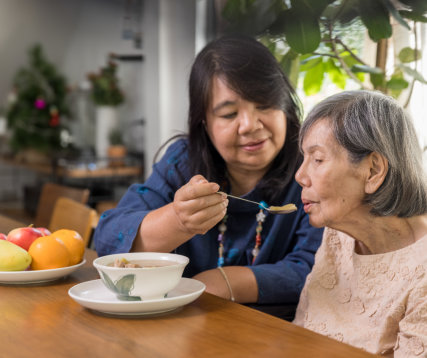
point(2, 236)
point(23, 236)
point(44, 231)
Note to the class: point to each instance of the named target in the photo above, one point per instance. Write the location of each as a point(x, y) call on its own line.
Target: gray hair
point(368, 121)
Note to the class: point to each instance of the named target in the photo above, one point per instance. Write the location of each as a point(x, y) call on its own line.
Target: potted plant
point(107, 96)
point(117, 150)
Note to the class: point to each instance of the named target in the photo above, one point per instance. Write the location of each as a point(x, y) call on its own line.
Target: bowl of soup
point(139, 276)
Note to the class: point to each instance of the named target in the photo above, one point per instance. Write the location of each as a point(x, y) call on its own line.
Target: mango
point(13, 257)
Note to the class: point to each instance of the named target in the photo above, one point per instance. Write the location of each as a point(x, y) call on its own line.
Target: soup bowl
point(158, 274)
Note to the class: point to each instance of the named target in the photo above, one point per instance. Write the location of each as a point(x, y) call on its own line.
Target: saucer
point(94, 295)
point(36, 276)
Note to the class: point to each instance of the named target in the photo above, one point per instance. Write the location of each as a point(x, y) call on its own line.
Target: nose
point(249, 122)
point(301, 176)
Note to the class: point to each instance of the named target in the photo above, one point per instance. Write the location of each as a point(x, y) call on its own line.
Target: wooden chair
point(72, 215)
point(49, 194)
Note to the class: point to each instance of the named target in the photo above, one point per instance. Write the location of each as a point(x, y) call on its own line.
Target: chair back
point(49, 194)
point(72, 215)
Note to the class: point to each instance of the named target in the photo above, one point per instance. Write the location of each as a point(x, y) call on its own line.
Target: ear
point(378, 169)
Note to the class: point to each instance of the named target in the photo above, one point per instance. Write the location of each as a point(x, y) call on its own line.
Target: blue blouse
point(288, 246)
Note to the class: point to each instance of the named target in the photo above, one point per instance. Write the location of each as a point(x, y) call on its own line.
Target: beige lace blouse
point(374, 302)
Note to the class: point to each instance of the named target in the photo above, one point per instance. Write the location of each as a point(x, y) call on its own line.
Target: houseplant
point(308, 38)
point(117, 150)
point(37, 109)
point(107, 96)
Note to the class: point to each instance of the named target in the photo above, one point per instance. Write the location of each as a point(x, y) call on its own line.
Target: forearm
point(160, 231)
point(242, 281)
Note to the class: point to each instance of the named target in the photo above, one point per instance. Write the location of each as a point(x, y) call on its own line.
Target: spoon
point(285, 209)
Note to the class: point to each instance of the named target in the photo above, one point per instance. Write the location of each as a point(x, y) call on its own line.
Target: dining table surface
point(41, 319)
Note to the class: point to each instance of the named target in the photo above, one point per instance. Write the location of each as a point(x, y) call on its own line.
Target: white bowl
point(143, 283)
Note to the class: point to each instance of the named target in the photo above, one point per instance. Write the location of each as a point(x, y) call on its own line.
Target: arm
point(241, 279)
point(118, 228)
point(196, 208)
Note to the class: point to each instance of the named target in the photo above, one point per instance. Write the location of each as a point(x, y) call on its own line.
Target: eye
point(263, 107)
point(318, 161)
point(229, 115)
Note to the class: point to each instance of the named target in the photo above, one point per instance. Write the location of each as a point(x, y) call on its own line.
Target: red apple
point(44, 231)
point(23, 236)
point(2, 236)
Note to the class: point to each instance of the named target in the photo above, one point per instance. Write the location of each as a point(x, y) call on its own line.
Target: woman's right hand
point(198, 207)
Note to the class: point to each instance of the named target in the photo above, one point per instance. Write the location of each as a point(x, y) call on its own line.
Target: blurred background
point(90, 89)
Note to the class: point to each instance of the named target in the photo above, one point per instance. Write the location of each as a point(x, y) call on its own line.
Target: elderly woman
point(362, 179)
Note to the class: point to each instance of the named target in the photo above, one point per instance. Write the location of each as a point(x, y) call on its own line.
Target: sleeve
point(282, 281)
point(118, 227)
point(412, 335)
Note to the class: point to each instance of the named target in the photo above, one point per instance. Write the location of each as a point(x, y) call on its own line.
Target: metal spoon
point(285, 209)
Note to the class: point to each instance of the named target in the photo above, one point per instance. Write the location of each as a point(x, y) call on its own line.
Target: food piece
point(124, 263)
point(48, 252)
point(23, 236)
point(43, 230)
point(74, 243)
point(13, 257)
point(3, 236)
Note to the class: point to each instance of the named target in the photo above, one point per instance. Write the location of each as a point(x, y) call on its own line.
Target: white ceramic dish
point(159, 273)
point(36, 276)
point(94, 295)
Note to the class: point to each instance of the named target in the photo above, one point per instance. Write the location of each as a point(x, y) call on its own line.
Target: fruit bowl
point(37, 276)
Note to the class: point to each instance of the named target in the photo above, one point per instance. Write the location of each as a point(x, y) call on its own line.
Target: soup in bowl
point(138, 276)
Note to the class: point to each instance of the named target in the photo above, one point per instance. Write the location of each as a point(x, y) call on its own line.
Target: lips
point(253, 146)
point(307, 204)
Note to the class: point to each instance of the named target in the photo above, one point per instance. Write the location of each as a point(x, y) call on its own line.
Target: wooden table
point(44, 321)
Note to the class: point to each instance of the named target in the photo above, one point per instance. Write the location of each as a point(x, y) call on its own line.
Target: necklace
point(260, 217)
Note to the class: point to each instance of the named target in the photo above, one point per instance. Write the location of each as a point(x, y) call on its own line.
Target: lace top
point(374, 302)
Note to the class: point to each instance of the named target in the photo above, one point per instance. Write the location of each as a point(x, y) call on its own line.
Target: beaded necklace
point(260, 217)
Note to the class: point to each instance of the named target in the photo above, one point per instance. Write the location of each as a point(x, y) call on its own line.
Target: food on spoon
point(13, 257)
point(287, 207)
point(74, 243)
point(24, 236)
point(49, 252)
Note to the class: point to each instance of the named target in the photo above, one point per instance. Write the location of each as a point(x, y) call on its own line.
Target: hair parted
point(369, 121)
point(252, 71)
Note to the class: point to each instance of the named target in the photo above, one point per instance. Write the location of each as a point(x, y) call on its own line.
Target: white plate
point(94, 295)
point(36, 276)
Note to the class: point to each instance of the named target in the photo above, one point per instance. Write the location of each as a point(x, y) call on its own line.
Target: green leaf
point(316, 7)
point(408, 54)
point(125, 284)
point(290, 65)
point(366, 69)
point(398, 84)
point(414, 73)
point(335, 74)
point(377, 80)
point(313, 79)
point(413, 16)
point(376, 18)
point(302, 31)
point(309, 62)
point(393, 11)
point(108, 282)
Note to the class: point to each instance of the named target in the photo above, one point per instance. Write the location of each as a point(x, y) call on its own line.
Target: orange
point(74, 243)
point(48, 252)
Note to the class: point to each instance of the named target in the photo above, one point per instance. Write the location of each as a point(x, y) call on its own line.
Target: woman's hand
point(198, 207)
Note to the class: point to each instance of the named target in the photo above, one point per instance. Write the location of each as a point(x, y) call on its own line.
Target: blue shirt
point(288, 246)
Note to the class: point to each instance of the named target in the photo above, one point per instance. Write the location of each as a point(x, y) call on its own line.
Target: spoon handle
point(249, 201)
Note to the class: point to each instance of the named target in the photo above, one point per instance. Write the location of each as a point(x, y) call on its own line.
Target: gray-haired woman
point(362, 179)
